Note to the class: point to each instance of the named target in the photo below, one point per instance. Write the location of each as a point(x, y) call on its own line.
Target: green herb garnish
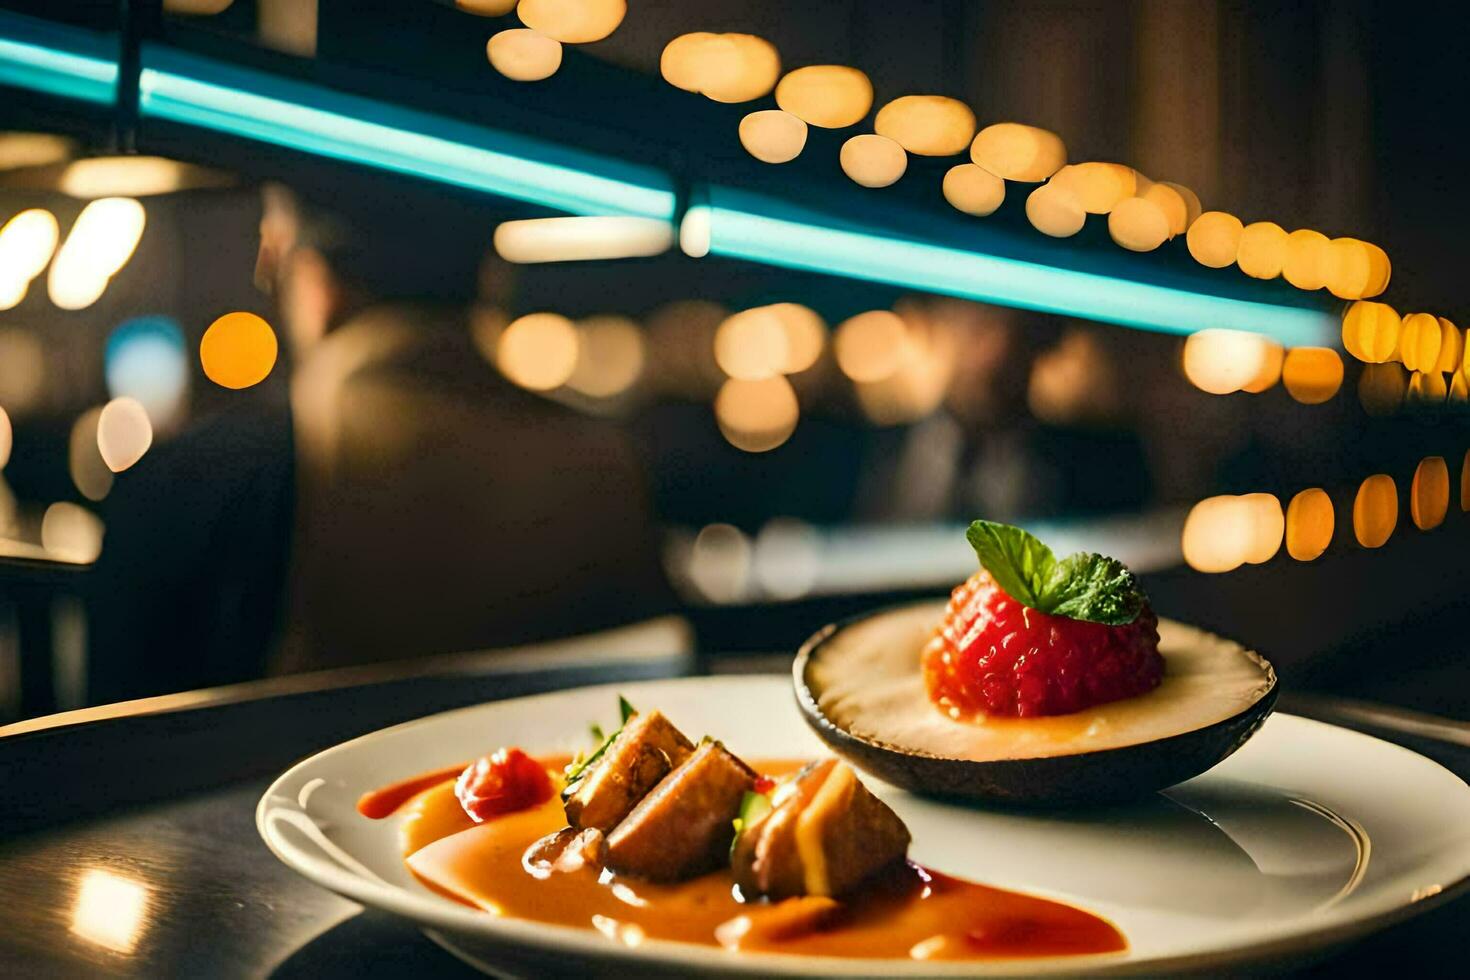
point(753, 806)
point(581, 762)
point(1083, 586)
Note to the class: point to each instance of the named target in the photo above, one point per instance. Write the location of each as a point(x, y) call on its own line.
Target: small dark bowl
point(1086, 778)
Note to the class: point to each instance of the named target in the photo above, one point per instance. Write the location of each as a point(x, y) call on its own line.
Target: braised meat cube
point(764, 859)
point(644, 752)
point(684, 826)
point(822, 837)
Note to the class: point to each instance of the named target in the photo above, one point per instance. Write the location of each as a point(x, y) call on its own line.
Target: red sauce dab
point(993, 656)
point(384, 802)
point(905, 912)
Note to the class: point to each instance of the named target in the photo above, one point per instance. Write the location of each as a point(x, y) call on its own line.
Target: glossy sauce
point(908, 912)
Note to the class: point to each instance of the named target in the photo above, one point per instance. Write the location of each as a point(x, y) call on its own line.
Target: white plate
point(1308, 836)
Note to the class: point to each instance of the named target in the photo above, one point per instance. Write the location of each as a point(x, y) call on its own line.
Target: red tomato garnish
point(764, 784)
point(501, 783)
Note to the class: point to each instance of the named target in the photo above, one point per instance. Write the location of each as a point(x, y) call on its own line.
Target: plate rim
point(429, 911)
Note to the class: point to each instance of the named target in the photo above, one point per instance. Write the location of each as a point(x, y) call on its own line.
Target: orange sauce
point(906, 912)
point(384, 802)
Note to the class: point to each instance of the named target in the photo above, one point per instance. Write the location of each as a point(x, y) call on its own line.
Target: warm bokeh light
point(973, 190)
point(1054, 210)
point(1370, 331)
point(1429, 494)
point(486, 8)
point(1381, 270)
point(1166, 197)
point(133, 176)
point(719, 563)
point(7, 437)
point(1214, 239)
point(681, 62)
point(99, 244)
point(581, 239)
point(757, 416)
point(752, 345)
point(124, 433)
point(110, 909)
point(924, 365)
point(1269, 372)
point(870, 346)
point(1266, 528)
point(22, 368)
point(1074, 382)
point(573, 21)
point(1309, 524)
point(238, 350)
point(538, 351)
point(1451, 347)
point(18, 149)
point(1261, 251)
point(1018, 152)
point(1224, 361)
point(787, 557)
point(1306, 264)
point(1192, 207)
point(739, 68)
point(89, 472)
point(927, 125)
point(873, 160)
point(1139, 224)
point(145, 359)
point(1427, 388)
point(1098, 187)
point(1382, 387)
point(829, 96)
point(1376, 510)
point(806, 335)
point(610, 356)
point(1223, 533)
point(1312, 374)
point(71, 533)
point(27, 242)
point(724, 67)
point(773, 135)
point(524, 55)
point(1348, 268)
point(1419, 341)
point(695, 231)
point(1212, 535)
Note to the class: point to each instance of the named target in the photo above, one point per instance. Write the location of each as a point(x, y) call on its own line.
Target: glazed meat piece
point(644, 752)
point(764, 859)
point(824, 834)
point(683, 828)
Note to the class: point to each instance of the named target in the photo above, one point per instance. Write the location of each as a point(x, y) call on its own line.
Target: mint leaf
point(1095, 588)
point(1018, 561)
point(1082, 586)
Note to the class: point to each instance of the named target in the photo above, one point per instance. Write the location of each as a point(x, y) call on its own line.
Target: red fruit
point(501, 783)
point(993, 656)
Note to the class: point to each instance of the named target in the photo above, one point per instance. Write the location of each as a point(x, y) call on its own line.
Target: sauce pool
point(907, 912)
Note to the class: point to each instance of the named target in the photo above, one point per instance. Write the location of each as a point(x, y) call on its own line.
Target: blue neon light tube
point(57, 59)
point(315, 119)
point(751, 226)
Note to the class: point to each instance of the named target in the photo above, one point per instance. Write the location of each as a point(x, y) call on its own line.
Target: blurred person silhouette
point(439, 507)
point(383, 494)
point(986, 450)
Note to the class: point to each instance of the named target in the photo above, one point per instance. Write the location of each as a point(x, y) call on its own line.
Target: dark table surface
point(149, 808)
